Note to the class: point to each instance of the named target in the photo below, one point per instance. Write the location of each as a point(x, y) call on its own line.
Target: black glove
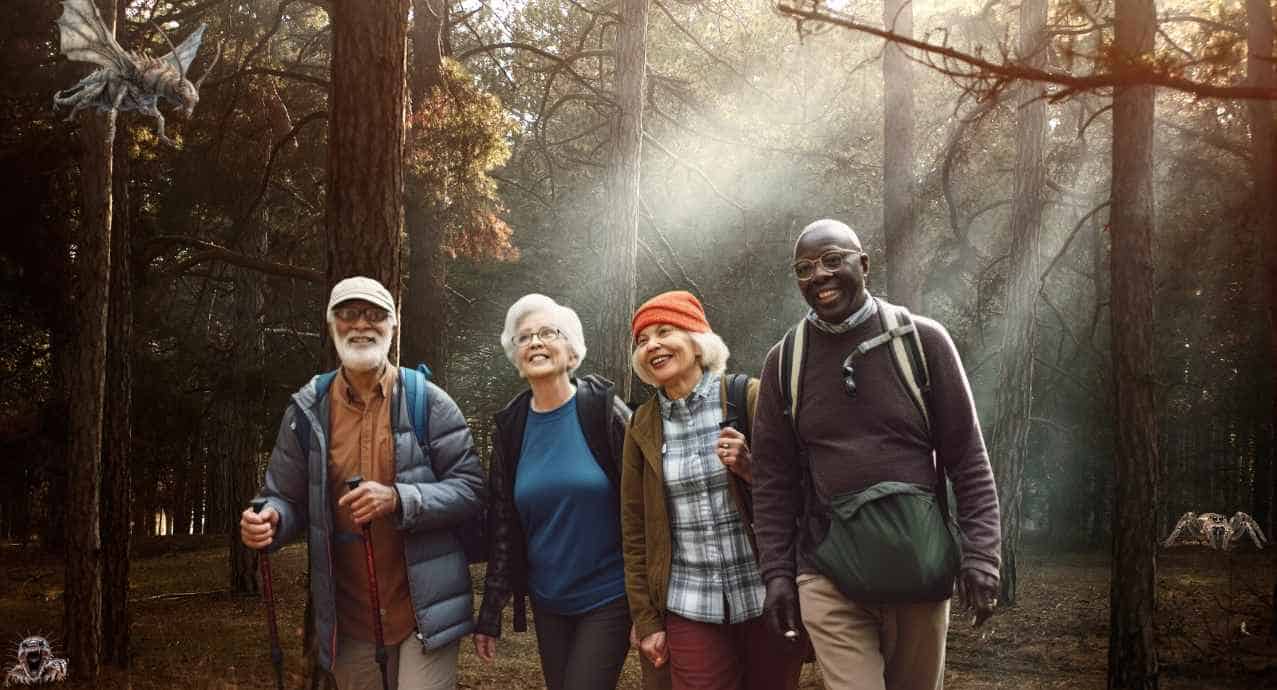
point(780, 608)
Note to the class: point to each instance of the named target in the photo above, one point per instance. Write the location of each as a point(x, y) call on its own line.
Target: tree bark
point(365, 217)
point(86, 376)
point(1260, 72)
point(425, 308)
point(365, 142)
point(117, 493)
point(1133, 587)
point(1014, 393)
point(619, 283)
point(904, 277)
point(245, 404)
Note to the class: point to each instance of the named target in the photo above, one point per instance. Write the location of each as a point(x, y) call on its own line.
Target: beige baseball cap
point(360, 287)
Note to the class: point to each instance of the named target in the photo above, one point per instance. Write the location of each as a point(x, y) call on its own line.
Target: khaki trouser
point(867, 647)
point(409, 667)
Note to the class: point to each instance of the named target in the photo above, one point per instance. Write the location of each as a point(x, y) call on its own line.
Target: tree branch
point(1011, 70)
point(214, 252)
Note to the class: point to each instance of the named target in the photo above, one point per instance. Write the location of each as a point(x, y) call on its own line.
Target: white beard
point(363, 356)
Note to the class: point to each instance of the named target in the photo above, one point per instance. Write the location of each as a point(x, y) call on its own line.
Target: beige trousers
point(866, 647)
point(409, 667)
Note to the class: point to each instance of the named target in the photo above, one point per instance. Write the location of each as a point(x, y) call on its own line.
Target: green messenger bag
point(892, 543)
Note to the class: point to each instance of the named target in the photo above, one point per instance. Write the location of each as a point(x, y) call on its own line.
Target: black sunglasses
point(849, 375)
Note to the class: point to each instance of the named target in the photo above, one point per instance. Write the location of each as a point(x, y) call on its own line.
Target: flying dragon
point(123, 80)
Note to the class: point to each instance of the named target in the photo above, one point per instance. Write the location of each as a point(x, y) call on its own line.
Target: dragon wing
point(184, 54)
point(85, 38)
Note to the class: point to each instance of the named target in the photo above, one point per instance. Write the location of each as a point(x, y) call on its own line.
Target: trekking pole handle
point(257, 504)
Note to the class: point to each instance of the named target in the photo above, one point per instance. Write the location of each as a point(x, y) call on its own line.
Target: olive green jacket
point(645, 520)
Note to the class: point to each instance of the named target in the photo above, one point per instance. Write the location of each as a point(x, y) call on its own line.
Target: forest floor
point(189, 633)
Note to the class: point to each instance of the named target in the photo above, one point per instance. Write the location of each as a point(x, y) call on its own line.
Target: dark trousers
point(585, 651)
point(738, 656)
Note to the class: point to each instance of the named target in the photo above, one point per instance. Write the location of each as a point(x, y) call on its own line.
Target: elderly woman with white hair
point(553, 505)
point(691, 569)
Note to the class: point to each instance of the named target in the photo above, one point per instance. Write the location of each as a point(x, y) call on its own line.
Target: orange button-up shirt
point(361, 442)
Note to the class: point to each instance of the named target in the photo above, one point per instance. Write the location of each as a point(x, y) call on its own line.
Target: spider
point(1215, 530)
point(36, 665)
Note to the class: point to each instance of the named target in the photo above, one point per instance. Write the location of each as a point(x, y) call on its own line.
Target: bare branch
point(1011, 70)
point(214, 252)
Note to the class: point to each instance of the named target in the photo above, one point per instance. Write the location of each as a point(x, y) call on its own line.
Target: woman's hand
point(734, 453)
point(653, 647)
point(485, 647)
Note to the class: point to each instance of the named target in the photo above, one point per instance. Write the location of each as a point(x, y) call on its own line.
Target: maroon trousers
point(739, 656)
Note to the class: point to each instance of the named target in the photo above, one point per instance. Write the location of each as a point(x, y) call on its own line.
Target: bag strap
point(792, 349)
point(906, 349)
point(418, 395)
point(736, 402)
point(911, 364)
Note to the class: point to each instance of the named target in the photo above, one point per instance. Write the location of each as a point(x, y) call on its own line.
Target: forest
point(1083, 192)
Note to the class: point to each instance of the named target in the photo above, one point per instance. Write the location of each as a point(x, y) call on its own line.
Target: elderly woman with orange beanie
point(691, 570)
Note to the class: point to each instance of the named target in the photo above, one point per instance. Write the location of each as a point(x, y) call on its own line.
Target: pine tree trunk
point(1260, 72)
point(366, 128)
point(1010, 439)
point(425, 308)
point(1132, 653)
point(86, 374)
point(246, 402)
point(117, 494)
point(619, 283)
point(366, 141)
point(904, 278)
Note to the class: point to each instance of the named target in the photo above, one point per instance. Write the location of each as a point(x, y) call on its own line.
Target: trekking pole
point(353, 483)
point(268, 595)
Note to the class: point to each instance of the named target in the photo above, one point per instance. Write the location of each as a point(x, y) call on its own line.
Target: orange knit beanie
point(677, 308)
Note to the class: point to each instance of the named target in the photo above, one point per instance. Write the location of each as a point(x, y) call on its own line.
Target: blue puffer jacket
point(436, 494)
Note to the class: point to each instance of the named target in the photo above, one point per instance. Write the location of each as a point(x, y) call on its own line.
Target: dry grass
point(189, 634)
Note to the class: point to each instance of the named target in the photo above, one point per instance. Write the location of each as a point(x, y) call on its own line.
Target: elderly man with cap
point(355, 421)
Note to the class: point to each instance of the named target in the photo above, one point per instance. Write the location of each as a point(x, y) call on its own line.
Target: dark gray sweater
point(877, 436)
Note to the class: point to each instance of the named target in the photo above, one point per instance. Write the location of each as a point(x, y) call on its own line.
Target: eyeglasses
point(849, 375)
point(370, 314)
point(831, 261)
point(545, 335)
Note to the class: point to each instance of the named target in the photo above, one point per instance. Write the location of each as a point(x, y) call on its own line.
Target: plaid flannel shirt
point(714, 577)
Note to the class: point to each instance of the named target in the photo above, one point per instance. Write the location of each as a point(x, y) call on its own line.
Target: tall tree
point(425, 310)
point(904, 284)
point(365, 215)
point(244, 406)
point(620, 238)
point(365, 141)
point(1263, 158)
point(117, 491)
point(1260, 72)
point(1132, 661)
point(86, 377)
point(1014, 393)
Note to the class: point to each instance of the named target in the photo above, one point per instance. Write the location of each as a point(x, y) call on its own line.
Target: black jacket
point(603, 418)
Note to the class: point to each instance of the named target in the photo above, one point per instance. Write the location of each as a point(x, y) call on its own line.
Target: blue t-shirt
point(569, 513)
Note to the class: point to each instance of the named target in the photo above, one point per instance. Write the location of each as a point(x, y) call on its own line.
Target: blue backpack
point(473, 532)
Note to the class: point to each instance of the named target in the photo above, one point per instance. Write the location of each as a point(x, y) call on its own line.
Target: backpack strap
point(417, 393)
point(792, 350)
point(736, 402)
point(906, 350)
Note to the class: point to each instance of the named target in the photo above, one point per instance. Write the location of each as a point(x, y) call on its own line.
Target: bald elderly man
point(862, 424)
